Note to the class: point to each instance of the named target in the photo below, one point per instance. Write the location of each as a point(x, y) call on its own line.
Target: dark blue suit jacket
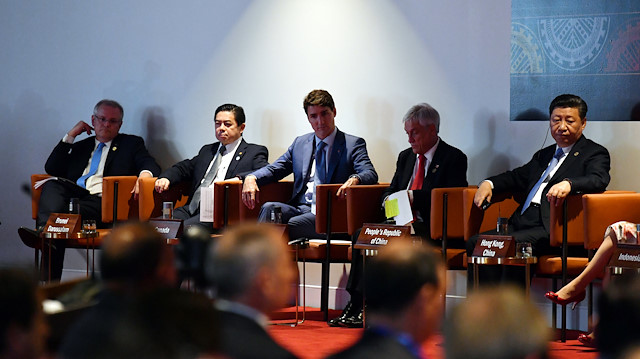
point(586, 166)
point(127, 157)
point(248, 158)
point(348, 156)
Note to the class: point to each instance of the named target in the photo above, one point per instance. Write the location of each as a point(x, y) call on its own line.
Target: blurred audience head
point(135, 257)
point(496, 323)
point(250, 264)
point(23, 328)
point(618, 331)
point(405, 288)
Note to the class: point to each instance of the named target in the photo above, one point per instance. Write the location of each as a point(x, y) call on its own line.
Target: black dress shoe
point(349, 311)
point(30, 237)
point(354, 321)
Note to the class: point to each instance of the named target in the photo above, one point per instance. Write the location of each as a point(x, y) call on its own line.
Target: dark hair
point(568, 100)
point(318, 98)
point(19, 301)
point(110, 103)
point(392, 281)
point(619, 307)
point(135, 261)
point(237, 111)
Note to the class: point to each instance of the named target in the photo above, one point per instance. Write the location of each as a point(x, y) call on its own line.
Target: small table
point(509, 261)
point(77, 240)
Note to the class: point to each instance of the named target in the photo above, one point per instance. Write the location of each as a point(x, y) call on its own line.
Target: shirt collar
point(243, 310)
point(329, 139)
point(231, 148)
point(429, 154)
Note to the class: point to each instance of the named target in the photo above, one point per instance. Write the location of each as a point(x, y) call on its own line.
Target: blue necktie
point(95, 162)
point(554, 162)
point(321, 163)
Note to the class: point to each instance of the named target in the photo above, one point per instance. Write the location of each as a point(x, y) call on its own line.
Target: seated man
point(108, 153)
point(573, 164)
point(230, 157)
point(327, 155)
point(429, 163)
point(405, 286)
point(252, 274)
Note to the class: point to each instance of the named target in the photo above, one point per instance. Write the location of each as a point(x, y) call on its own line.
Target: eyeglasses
point(104, 120)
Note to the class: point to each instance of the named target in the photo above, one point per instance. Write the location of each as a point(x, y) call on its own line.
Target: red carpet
point(314, 339)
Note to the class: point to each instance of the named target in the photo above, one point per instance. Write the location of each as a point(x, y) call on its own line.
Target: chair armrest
point(150, 201)
point(231, 190)
point(603, 209)
point(35, 193)
point(477, 220)
point(338, 209)
point(455, 212)
point(363, 205)
point(127, 206)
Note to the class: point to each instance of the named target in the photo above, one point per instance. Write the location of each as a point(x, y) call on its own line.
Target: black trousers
point(525, 227)
point(55, 198)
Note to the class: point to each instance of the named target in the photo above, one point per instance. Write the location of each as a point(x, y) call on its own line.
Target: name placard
point(376, 235)
point(625, 256)
point(168, 228)
point(63, 224)
point(495, 246)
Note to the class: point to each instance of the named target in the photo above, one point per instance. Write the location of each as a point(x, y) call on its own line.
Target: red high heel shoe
point(587, 340)
point(577, 298)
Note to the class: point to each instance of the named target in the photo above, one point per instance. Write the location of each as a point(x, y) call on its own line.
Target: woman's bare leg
point(594, 268)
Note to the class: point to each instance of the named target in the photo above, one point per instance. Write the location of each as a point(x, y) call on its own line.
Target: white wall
point(172, 63)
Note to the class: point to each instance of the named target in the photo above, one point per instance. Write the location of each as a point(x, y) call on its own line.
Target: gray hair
point(237, 257)
point(425, 114)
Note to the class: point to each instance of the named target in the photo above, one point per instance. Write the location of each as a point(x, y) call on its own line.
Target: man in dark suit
point(429, 163)
point(405, 286)
point(108, 153)
point(574, 164)
point(211, 165)
point(252, 275)
point(327, 155)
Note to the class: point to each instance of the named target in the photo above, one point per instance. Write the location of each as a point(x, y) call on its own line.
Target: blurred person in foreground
point(251, 274)
point(23, 328)
point(496, 323)
point(405, 288)
point(618, 331)
point(139, 307)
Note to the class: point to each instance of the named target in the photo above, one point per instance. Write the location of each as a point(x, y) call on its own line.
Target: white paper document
point(405, 213)
point(206, 204)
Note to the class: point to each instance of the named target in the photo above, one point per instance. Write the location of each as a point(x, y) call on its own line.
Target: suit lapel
point(115, 144)
point(434, 166)
point(339, 146)
point(408, 169)
point(572, 157)
point(237, 157)
point(307, 150)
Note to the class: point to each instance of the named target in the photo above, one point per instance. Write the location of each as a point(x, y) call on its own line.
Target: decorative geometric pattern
point(573, 43)
point(526, 52)
point(590, 48)
point(625, 49)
